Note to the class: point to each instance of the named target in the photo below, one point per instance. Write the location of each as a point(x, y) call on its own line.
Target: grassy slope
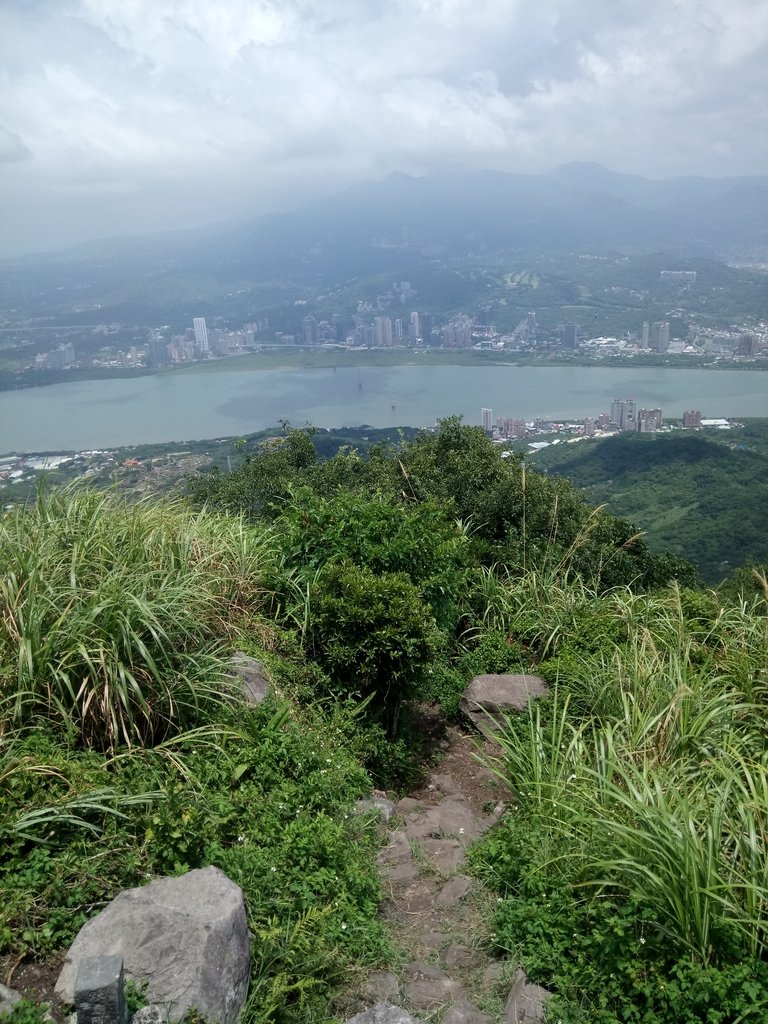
point(694, 495)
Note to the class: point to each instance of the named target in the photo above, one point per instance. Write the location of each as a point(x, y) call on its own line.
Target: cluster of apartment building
point(624, 415)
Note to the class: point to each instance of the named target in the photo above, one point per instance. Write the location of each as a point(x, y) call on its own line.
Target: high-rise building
point(201, 335)
point(623, 413)
point(748, 345)
point(339, 330)
point(382, 331)
point(649, 420)
point(425, 321)
point(570, 336)
point(692, 418)
point(660, 336)
point(486, 416)
point(645, 337)
point(309, 331)
point(414, 328)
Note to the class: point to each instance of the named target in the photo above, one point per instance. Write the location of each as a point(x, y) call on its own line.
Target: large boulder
point(186, 937)
point(488, 697)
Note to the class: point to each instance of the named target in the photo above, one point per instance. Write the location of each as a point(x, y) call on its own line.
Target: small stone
point(8, 999)
point(465, 1013)
point(400, 872)
point(494, 973)
point(383, 1013)
point(446, 854)
point(409, 805)
point(461, 956)
point(381, 987)
point(453, 891)
point(428, 987)
point(526, 1002)
point(396, 851)
point(385, 807)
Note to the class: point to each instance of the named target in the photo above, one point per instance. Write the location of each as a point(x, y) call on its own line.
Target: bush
point(372, 633)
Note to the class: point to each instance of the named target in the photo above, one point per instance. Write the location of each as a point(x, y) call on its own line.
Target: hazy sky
point(132, 115)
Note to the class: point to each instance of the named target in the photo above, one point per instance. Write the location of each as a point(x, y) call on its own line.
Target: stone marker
point(490, 696)
point(99, 997)
point(187, 937)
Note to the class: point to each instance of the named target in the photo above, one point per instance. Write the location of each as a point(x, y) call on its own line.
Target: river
point(193, 405)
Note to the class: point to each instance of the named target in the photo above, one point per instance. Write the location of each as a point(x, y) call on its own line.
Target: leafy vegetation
point(632, 871)
point(701, 497)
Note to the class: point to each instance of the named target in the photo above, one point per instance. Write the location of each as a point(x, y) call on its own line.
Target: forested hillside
point(629, 873)
point(697, 496)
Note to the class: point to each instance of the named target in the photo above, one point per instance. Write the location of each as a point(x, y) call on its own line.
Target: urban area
point(367, 329)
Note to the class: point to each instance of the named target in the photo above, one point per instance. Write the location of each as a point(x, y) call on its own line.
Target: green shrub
point(372, 633)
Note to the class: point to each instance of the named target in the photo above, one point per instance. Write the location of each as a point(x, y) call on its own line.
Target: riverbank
point(332, 358)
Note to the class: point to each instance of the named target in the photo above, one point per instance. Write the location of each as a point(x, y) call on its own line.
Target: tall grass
point(113, 615)
point(665, 799)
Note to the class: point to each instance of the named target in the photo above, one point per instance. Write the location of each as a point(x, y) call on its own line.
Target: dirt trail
point(439, 915)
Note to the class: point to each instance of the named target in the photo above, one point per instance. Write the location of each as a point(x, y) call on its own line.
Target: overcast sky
point(123, 116)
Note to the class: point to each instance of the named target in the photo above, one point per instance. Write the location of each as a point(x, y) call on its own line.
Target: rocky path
point(438, 914)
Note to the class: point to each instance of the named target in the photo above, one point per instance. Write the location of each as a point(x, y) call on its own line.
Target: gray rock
point(151, 1014)
point(396, 851)
point(490, 696)
point(451, 817)
point(461, 956)
point(445, 854)
point(399, 872)
point(381, 987)
point(385, 807)
point(250, 677)
point(428, 987)
point(8, 998)
point(383, 1013)
point(99, 996)
point(494, 973)
point(526, 1002)
point(186, 937)
point(465, 1013)
point(453, 891)
point(446, 784)
point(435, 939)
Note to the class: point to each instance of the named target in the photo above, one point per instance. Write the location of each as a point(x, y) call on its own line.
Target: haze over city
point(125, 118)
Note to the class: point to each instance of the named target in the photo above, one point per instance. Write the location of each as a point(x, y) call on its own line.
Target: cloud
point(191, 110)
point(12, 148)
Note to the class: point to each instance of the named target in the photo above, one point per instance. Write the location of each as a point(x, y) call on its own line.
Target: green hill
point(627, 875)
point(697, 496)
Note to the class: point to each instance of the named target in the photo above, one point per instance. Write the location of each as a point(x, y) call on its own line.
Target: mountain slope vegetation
point(373, 588)
point(696, 496)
